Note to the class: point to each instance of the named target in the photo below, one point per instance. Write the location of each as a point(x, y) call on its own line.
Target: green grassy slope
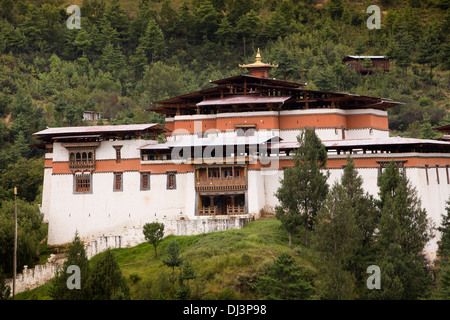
point(225, 261)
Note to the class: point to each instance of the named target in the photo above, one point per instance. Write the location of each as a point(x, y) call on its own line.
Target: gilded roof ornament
point(258, 63)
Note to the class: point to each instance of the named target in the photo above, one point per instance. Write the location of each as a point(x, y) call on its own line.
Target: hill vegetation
point(227, 264)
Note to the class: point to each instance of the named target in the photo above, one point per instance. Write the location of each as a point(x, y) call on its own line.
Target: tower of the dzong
point(258, 68)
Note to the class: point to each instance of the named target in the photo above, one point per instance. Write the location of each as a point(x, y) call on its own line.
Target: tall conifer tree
point(76, 255)
point(444, 256)
point(304, 186)
point(404, 230)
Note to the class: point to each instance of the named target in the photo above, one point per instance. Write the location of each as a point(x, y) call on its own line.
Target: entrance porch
point(221, 204)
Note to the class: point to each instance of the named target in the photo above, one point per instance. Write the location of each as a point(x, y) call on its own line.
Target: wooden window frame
point(118, 181)
point(437, 174)
point(171, 185)
point(118, 153)
point(145, 179)
point(446, 170)
point(82, 183)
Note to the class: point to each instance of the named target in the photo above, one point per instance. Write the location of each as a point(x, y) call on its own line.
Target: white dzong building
point(222, 158)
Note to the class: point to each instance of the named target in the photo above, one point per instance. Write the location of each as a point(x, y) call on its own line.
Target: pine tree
point(139, 61)
point(335, 8)
point(226, 33)
point(247, 27)
point(172, 257)
point(325, 80)
point(404, 230)
point(12, 38)
point(21, 147)
point(112, 58)
point(168, 18)
point(287, 63)
point(153, 41)
point(90, 104)
point(76, 255)
point(364, 204)
point(73, 115)
point(140, 23)
point(344, 235)
point(366, 63)
point(83, 41)
point(285, 280)
point(109, 35)
point(444, 229)
point(187, 273)
point(401, 48)
point(93, 9)
point(276, 27)
point(426, 130)
point(32, 24)
point(429, 50)
point(206, 19)
point(288, 213)
point(106, 281)
point(238, 8)
point(360, 46)
point(403, 221)
point(118, 20)
point(443, 254)
point(21, 104)
point(337, 237)
point(185, 21)
point(304, 186)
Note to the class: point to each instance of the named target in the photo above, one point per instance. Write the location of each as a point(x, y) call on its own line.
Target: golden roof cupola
point(258, 68)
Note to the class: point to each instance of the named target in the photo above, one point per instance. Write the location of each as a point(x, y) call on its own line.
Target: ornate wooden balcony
point(232, 210)
point(221, 184)
point(207, 211)
point(88, 164)
point(212, 211)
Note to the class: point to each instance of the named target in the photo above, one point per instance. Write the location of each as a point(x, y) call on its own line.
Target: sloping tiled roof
point(99, 129)
point(194, 141)
point(364, 142)
point(248, 99)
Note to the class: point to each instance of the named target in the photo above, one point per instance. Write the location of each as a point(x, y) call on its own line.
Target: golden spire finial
point(258, 68)
point(258, 56)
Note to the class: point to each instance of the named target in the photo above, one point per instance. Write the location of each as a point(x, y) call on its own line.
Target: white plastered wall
point(108, 212)
point(433, 195)
point(366, 133)
point(256, 199)
point(129, 149)
point(46, 193)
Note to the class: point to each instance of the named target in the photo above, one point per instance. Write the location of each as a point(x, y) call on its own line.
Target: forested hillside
point(128, 54)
